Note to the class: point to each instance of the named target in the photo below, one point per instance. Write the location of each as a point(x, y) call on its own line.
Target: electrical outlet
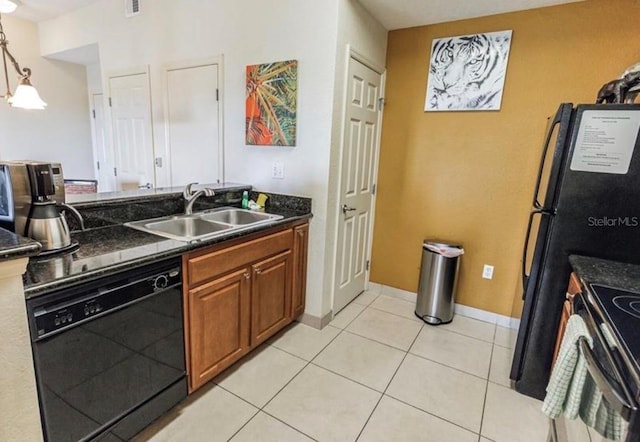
point(277, 170)
point(487, 272)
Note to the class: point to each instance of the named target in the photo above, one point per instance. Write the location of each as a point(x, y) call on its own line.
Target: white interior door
point(104, 154)
point(132, 134)
point(356, 185)
point(193, 125)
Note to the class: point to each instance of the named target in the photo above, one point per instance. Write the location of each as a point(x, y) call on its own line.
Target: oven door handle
point(611, 394)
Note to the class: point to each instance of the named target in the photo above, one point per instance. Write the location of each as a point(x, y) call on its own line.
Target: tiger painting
point(468, 72)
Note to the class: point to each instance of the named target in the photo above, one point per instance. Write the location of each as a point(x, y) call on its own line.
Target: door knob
point(346, 209)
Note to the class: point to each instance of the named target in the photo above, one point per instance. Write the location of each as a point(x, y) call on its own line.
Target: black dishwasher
point(109, 354)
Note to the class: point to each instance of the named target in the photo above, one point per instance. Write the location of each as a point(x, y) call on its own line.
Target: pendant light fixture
point(26, 96)
point(7, 6)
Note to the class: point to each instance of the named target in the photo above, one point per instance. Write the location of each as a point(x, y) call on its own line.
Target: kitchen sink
point(187, 227)
point(238, 216)
point(203, 225)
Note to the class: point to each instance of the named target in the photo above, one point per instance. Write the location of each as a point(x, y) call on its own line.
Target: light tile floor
point(376, 373)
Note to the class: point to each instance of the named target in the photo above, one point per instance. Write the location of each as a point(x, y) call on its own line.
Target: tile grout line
point(454, 368)
point(384, 393)
point(307, 363)
point(431, 414)
point(259, 409)
point(295, 376)
point(406, 352)
point(418, 408)
point(246, 423)
point(486, 392)
point(355, 317)
point(375, 340)
point(388, 384)
point(446, 329)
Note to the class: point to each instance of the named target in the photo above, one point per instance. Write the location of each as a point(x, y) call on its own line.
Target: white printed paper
point(605, 142)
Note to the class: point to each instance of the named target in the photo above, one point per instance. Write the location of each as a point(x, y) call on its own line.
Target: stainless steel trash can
point(438, 281)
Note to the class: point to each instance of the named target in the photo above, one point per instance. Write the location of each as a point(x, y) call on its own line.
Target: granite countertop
point(108, 249)
point(607, 273)
point(14, 246)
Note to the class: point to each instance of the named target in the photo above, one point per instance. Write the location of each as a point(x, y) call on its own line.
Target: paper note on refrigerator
point(605, 141)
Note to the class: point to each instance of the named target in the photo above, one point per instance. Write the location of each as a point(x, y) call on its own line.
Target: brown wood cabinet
point(300, 251)
point(240, 293)
point(218, 324)
point(573, 289)
point(270, 296)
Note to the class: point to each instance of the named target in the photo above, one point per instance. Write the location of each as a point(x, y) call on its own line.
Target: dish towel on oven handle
point(572, 391)
point(569, 373)
point(596, 412)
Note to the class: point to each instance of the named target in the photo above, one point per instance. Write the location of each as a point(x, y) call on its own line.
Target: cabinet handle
point(300, 233)
point(258, 271)
point(247, 275)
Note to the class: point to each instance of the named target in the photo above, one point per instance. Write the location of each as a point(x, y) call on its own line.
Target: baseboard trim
point(470, 312)
point(374, 287)
point(315, 321)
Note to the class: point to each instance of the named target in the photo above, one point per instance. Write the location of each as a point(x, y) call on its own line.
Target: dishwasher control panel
point(63, 313)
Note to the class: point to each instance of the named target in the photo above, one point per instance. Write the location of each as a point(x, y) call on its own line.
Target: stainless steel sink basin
point(203, 225)
point(238, 216)
point(186, 227)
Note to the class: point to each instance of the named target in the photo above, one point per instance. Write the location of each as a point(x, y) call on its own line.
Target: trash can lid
point(440, 244)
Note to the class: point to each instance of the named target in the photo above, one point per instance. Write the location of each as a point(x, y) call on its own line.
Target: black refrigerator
point(586, 202)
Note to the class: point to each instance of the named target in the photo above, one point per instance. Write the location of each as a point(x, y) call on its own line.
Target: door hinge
point(368, 264)
point(380, 103)
point(217, 94)
point(158, 162)
point(98, 164)
point(373, 189)
point(94, 113)
point(110, 105)
point(115, 171)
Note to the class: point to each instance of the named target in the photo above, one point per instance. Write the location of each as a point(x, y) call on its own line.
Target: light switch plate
point(277, 170)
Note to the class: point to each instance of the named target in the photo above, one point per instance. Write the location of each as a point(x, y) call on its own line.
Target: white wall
point(62, 131)
point(245, 32)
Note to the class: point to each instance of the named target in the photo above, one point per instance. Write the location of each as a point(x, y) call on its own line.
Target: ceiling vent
point(131, 8)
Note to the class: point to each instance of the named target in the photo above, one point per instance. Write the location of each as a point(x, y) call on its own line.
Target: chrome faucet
point(191, 197)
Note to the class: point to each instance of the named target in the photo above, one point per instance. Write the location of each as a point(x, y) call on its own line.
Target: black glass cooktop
point(622, 311)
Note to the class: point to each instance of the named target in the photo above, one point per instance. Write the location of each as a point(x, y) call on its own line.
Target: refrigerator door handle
point(553, 123)
point(525, 249)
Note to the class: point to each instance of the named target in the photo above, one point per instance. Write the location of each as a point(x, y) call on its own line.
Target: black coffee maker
point(46, 222)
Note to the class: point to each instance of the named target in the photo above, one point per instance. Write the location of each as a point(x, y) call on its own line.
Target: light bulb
point(26, 97)
point(7, 6)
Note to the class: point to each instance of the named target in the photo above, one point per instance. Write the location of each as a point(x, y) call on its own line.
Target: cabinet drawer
point(208, 264)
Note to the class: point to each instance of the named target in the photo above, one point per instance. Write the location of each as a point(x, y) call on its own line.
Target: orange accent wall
point(468, 176)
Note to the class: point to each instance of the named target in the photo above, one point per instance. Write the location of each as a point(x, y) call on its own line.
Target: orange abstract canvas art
point(271, 104)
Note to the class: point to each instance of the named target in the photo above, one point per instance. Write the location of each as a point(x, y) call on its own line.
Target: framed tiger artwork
point(467, 73)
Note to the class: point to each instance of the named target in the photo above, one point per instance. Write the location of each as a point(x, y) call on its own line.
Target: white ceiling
point(38, 10)
point(397, 14)
point(393, 14)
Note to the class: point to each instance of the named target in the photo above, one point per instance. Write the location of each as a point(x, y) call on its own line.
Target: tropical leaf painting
point(272, 90)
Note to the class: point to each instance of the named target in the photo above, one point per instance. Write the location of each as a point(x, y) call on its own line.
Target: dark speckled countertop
point(14, 246)
point(109, 248)
point(607, 273)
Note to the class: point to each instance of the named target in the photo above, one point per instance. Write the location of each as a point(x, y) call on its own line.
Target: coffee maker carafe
point(45, 223)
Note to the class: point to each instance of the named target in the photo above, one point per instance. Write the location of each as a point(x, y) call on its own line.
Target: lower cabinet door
point(219, 315)
point(270, 296)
